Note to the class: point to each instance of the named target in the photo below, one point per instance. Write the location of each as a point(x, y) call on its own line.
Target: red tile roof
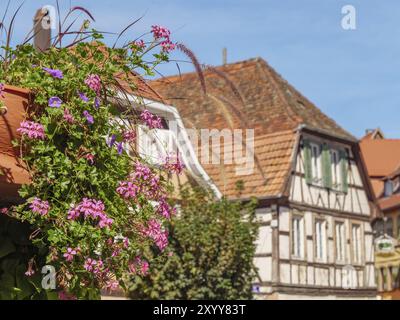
point(250, 94)
point(389, 203)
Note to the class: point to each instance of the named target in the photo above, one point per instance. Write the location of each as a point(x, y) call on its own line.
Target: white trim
point(192, 164)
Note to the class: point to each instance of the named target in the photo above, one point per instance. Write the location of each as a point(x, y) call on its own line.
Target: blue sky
point(353, 75)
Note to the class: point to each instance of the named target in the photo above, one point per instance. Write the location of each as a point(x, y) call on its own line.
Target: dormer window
point(316, 162)
point(388, 188)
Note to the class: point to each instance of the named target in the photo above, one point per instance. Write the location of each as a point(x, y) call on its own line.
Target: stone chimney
point(42, 30)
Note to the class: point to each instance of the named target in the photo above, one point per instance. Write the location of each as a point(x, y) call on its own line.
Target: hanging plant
point(94, 207)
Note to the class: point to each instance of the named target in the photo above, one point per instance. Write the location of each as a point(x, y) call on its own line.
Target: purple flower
point(120, 148)
point(97, 102)
point(83, 97)
point(55, 102)
point(111, 141)
point(54, 73)
point(88, 117)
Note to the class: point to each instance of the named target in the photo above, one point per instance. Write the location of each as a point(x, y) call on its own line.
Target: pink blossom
point(160, 32)
point(68, 117)
point(129, 136)
point(30, 272)
point(4, 210)
point(69, 255)
point(155, 232)
point(89, 157)
point(164, 209)
point(151, 120)
point(62, 295)
point(91, 208)
point(139, 44)
point(39, 206)
point(127, 189)
point(145, 268)
point(173, 164)
point(112, 285)
point(90, 264)
point(31, 129)
point(168, 46)
point(93, 81)
point(2, 88)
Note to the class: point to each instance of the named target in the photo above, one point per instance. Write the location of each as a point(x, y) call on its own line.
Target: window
point(356, 243)
point(388, 188)
point(389, 226)
point(156, 144)
point(340, 237)
point(335, 167)
point(316, 162)
point(320, 239)
point(298, 237)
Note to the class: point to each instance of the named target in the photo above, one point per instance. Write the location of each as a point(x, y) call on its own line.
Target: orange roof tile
point(382, 157)
point(389, 203)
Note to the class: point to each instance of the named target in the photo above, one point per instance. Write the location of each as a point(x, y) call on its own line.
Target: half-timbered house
point(315, 199)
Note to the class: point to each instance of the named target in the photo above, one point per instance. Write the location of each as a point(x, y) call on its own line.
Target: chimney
point(42, 30)
point(224, 56)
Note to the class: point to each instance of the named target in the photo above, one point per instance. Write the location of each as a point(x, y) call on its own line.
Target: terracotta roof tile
point(391, 202)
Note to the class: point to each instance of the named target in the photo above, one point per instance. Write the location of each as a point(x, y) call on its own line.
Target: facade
point(315, 199)
point(382, 157)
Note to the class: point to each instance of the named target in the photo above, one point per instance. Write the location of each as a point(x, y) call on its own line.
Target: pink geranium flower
point(32, 130)
point(39, 206)
point(69, 255)
point(93, 81)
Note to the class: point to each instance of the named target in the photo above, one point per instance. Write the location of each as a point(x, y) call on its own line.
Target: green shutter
point(307, 162)
point(326, 167)
point(344, 170)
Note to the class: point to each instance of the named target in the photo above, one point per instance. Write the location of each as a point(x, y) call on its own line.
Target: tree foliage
point(212, 245)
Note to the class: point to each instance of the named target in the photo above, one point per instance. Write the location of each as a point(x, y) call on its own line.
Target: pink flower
point(127, 189)
point(145, 268)
point(164, 209)
point(68, 117)
point(4, 210)
point(93, 81)
point(30, 272)
point(69, 255)
point(39, 206)
point(31, 129)
point(168, 46)
point(139, 44)
point(90, 264)
point(62, 295)
point(173, 164)
point(2, 88)
point(129, 136)
point(160, 32)
point(159, 236)
point(112, 285)
point(89, 157)
point(151, 120)
point(91, 208)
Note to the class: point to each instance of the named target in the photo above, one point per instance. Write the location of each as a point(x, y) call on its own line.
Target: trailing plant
point(212, 245)
point(94, 204)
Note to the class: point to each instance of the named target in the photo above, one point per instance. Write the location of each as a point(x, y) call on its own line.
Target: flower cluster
point(39, 206)
point(139, 266)
point(154, 231)
point(173, 164)
point(129, 136)
point(151, 120)
point(68, 117)
point(2, 88)
point(162, 33)
point(139, 44)
point(70, 253)
point(55, 73)
point(93, 81)
point(164, 209)
point(91, 208)
point(32, 130)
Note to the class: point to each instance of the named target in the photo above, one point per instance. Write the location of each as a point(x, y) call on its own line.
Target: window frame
point(344, 242)
point(316, 163)
point(302, 236)
point(357, 259)
point(324, 240)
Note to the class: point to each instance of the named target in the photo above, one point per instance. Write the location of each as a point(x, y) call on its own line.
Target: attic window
point(388, 188)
